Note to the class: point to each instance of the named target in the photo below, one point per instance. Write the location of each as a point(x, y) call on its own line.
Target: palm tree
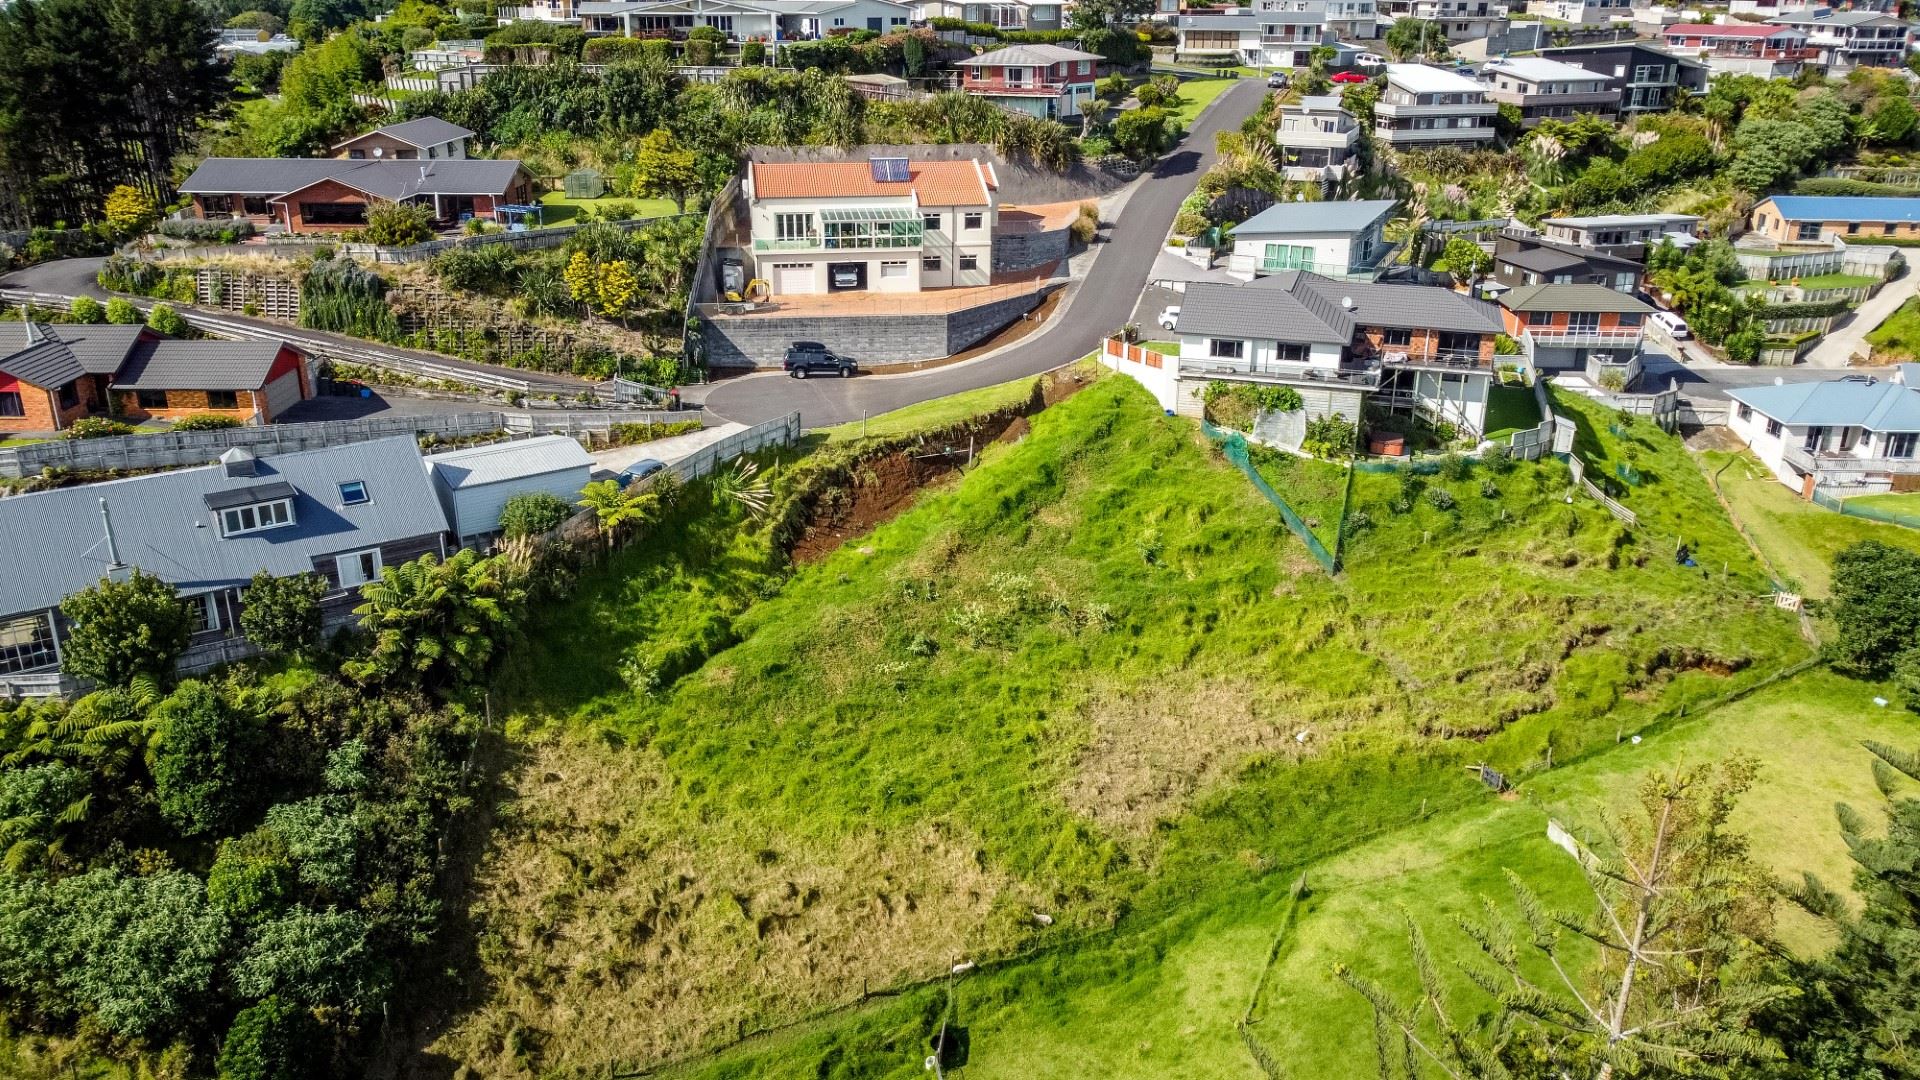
point(437, 623)
point(739, 485)
point(616, 508)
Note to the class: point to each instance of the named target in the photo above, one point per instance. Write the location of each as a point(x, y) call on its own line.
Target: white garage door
point(792, 278)
point(283, 393)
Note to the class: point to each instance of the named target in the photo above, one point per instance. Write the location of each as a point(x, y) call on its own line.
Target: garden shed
point(474, 484)
point(584, 184)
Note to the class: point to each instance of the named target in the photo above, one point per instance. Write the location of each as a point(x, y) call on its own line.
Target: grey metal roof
point(1316, 217)
point(102, 348)
point(391, 180)
point(199, 365)
point(1582, 297)
point(473, 467)
point(1028, 56)
point(258, 493)
point(1837, 18)
point(424, 132)
point(1542, 260)
point(1306, 308)
point(1851, 402)
point(50, 356)
point(1411, 306)
point(56, 542)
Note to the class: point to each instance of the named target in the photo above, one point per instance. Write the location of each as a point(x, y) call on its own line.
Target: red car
point(1348, 77)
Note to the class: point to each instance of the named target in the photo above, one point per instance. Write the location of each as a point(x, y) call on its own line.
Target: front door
point(1816, 439)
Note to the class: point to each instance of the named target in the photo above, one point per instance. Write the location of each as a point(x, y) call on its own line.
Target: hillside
point(1094, 685)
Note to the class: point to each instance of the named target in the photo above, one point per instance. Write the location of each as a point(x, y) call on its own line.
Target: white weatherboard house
point(1851, 435)
point(1425, 106)
point(885, 225)
point(474, 484)
point(1332, 239)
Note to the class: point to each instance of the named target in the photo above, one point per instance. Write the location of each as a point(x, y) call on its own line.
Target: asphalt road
point(1102, 303)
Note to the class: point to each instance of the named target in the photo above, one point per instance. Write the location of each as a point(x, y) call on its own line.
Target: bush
point(163, 319)
point(122, 313)
point(205, 422)
point(281, 615)
point(207, 230)
point(476, 269)
point(96, 427)
point(533, 513)
point(1332, 436)
point(701, 53)
point(753, 53)
point(1086, 225)
point(122, 629)
point(607, 50)
point(273, 1040)
point(1440, 498)
point(86, 309)
point(391, 224)
point(201, 773)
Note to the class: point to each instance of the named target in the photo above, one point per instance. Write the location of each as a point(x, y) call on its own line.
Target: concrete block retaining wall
point(754, 341)
point(1022, 251)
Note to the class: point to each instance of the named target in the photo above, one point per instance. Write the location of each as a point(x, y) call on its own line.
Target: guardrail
point(1585, 337)
point(1833, 462)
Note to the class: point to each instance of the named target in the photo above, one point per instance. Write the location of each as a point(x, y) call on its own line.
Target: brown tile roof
point(937, 183)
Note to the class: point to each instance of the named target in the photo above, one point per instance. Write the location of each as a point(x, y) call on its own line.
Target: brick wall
point(189, 403)
point(1423, 344)
point(35, 403)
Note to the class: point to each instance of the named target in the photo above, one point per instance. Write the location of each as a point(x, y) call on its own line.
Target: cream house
point(884, 225)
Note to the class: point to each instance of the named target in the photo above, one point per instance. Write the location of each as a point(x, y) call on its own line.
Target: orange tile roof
point(937, 183)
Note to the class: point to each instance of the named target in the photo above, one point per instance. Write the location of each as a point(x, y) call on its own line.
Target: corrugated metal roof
point(199, 365)
point(424, 132)
point(1028, 56)
point(1846, 207)
point(457, 470)
point(1426, 79)
point(1876, 406)
point(1582, 297)
point(391, 180)
point(55, 540)
point(1315, 217)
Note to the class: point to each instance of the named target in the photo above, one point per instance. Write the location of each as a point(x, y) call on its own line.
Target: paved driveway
point(1098, 306)
point(1836, 350)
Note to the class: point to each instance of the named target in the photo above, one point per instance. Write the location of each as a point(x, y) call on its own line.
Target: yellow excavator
point(754, 292)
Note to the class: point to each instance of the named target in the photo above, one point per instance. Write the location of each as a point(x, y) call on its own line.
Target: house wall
point(36, 402)
point(1768, 221)
point(1464, 395)
point(392, 553)
point(1424, 344)
point(1195, 348)
point(1329, 249)
point(475, 511)
point(1770, 449)
point(947, 243)
point(392, 149)
point(251, 404)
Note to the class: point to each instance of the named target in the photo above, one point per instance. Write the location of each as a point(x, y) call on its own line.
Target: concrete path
point(617, 460)
point(1850, 337)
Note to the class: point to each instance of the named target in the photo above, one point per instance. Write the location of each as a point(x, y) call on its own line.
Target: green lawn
point(1197, 94)
point(1899, 337)
point(1905, 505)
point(1837, 281)
point(561, 210)
point(1799, 538)
point(940, 412)
point(1511, 409)
point(1164, 348)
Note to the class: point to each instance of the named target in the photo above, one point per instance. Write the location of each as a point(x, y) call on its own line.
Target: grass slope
point(1095, 679)
point(1799, 538)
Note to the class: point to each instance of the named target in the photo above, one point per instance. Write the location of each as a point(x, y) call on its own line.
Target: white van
point(1674, 325)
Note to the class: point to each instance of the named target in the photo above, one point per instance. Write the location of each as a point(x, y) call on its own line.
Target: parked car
point(1169, 316)
point(1674, 325)
point(1348, 77)
point(806, 357)
point(1277, 81)
point(640, 470)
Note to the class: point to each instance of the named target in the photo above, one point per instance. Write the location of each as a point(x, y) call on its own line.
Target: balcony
point(1443, 358)
point(1329, 270)
point(1289, 139)
point(859, 228)
point(839, 243)
point(1278, 371)
point(1826, 463)
point(1014, 88)
point(1581, 338)
point(1391, 111)
point(1402, 136)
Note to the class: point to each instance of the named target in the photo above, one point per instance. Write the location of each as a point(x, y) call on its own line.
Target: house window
point(27, 644)
point(1291, 352)
point(1902, 445)
point(1539, 318)
point(240, 520)
point(216, 205)
point(70, 395)
point(1396, 335)
point(150, 399)
point(256, 206)
point(969, 262)
point(931, 222)
point(1086, 67)
point(1816, 438)
point(333, 213)
point(1887, 229)
point(358, 567)
point(894, 270)
point(1583, 322)
point(205, 612)
point(971, 220)
point(793, 226)
point(1746, 412)
point(1853, 228)
point(1226, 348)
point(354, 493)
point(10, 403)
point(1808, 230)
point(931, 264)
point(1773, 428)
point(1460, 343)
point(1629, 319)
point(223, 399)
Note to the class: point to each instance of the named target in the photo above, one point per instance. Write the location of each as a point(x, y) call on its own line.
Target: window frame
point(1774, 427)
point(346, 499)
point(23, 650)
point(968, 262)
point(341, 562)
point(205, 611)
point(1226, 349)
point(12, 404)
point(973, 219)
point(265, 516)
point(930, 264)
point(150, 400)
point(230, 396)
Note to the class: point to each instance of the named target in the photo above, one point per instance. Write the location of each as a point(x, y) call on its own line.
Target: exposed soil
point(884, 485)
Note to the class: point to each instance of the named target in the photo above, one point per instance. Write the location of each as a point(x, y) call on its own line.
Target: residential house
point(1461, 20)
point(53, 375)
point(1052, 82)
point(1648, 79)
point(1789, 219)
point(551, 11)
point(1851, 435)
point(333, 194)
point(1589, 329)
point(1548, 89)
point(1583, 12)
point(1844, 40)
point(1341, 344)
point(1318, 141)
point(1343, 19)
point(446, 54)
point(1626, 236)
point(885, 225)
point(473, 484)
point(1522, 257)
point(343, 513)
point(1330, 239)
point(1283, 39)
point(1423, 107)
point(255, 42)
point(743, 20)
point(427, 138)
point(1766, 9)
point(1736, 48)
point(1001, 14)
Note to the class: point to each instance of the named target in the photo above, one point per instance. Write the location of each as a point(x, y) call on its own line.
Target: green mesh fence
point(1855, 508)
point(1234, 445)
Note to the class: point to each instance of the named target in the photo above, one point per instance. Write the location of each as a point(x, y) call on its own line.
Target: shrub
point(86, 309)
point(753, 53)
point(207, 230)
point(1332, 436)
point(281, 615)
point(607, 50)
point(391, 224)
point(533, 513)
point(163, 319)
point(1440, 498)
point(122, 629)
point(121, 313)
point(205, 422)
point(1455, 466)
point(97, 427)
point(272, 1040)
point(476, 269)
point(201, 774)
point(701, 53)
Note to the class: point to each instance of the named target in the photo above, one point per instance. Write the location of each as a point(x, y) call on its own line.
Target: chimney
point(240, 461)
point(26, 320)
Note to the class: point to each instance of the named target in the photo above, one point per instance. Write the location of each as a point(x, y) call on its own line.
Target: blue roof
point(1315, 217)
point(1851, 402)
point(1847, 207)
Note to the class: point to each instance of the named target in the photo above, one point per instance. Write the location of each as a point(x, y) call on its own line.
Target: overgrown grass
point(941, 412)
point(1799, 538)
point(1095, 680)
point(1899, 337)
point(1315, 489)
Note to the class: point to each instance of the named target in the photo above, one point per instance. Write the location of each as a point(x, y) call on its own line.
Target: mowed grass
point(1096, 680)
point(1197, 94)
point(1510, 409)
point(1904, 505)
point(557, 209)
point(1799, 538)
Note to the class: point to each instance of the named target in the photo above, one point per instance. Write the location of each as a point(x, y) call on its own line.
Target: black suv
point(806, 357)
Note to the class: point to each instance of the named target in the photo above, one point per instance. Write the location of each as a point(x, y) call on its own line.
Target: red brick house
point(1050, 81)
point(333, 194)
point(52, 375)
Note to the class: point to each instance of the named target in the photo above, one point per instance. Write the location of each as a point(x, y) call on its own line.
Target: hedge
point(1840, 185)
point(1883, 241)
point(1814, 309)
point(207, 230)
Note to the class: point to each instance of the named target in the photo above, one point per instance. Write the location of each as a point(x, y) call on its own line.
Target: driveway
point(1098, 305)
point(1850, 337)
point(671, 449)
point(340, 407)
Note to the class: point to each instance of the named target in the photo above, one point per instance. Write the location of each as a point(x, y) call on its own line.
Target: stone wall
point(761, 341)
point(1022, 251)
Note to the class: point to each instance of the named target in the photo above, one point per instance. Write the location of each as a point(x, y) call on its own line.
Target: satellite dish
point(1778, 381)
point(1347, 302)
point(379, 151)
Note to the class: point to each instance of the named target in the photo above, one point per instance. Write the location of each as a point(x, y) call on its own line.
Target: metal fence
point(1853, 508)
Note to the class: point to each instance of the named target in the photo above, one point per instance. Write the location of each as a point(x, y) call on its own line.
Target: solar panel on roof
point(889, 170)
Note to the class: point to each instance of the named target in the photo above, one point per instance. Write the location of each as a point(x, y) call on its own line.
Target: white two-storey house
point(1424, 106)
point(1851, 435)
point(1331, 239)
